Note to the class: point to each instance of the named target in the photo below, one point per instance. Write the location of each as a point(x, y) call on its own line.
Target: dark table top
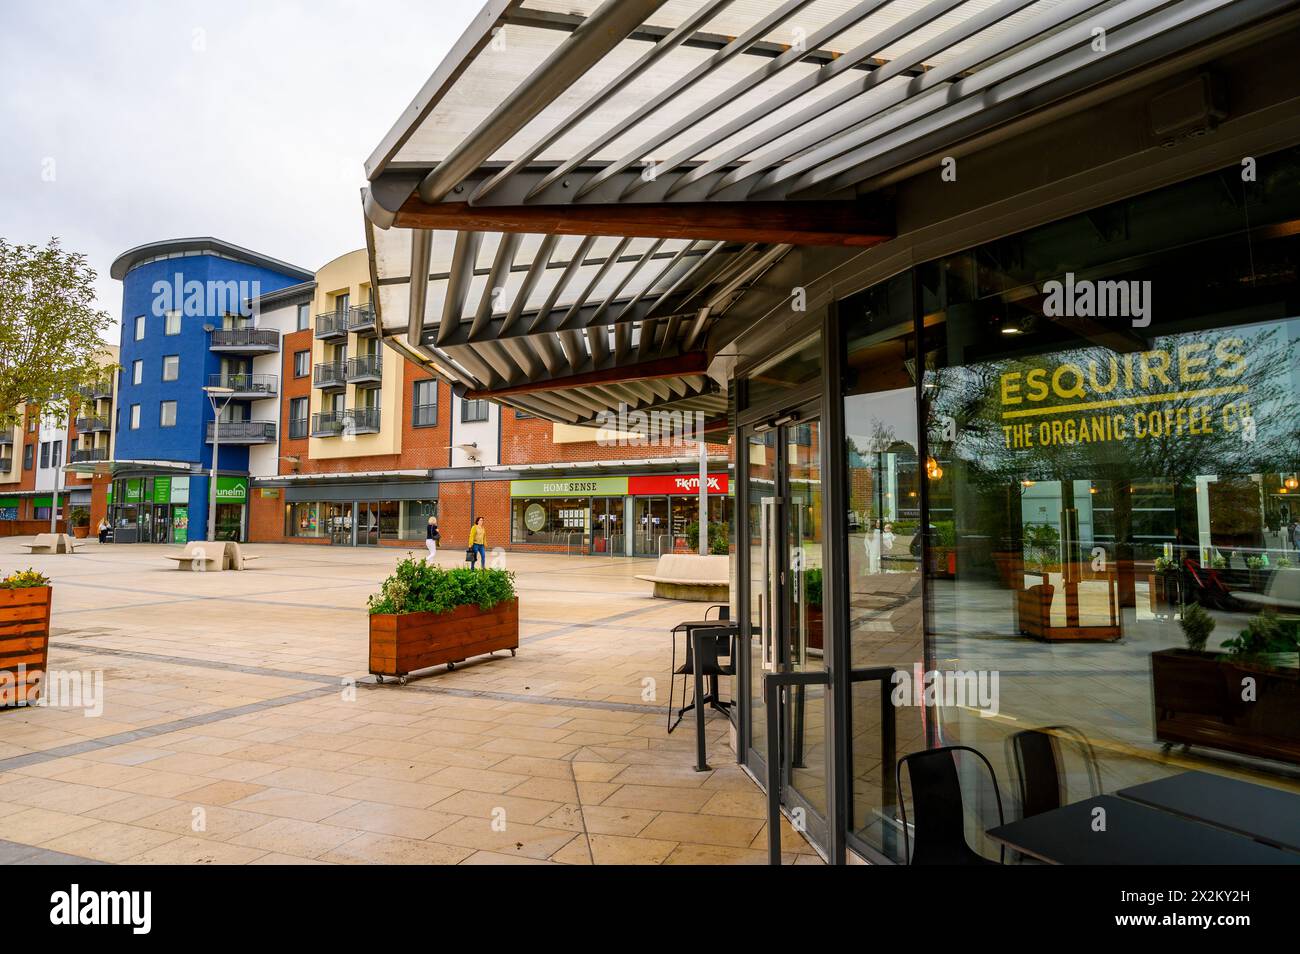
point(1134, 835)
point(1265, 814)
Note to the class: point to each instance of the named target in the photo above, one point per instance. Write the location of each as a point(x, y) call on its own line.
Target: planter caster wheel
point(451, 666)
point(401, 680)
point(513, 653)
point(379, 680)
point(1164, 749)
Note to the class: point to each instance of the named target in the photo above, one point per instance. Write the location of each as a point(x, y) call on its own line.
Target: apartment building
point(38, 455)
point(185, 391)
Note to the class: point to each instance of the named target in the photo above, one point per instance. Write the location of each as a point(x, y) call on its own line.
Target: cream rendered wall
point(350, 274)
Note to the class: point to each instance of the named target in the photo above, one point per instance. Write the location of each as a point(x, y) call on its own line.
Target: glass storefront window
point(562, 521)
point(415, 516)
point(1100, 493)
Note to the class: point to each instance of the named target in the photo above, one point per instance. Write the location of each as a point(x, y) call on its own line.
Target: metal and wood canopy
point(583, 187)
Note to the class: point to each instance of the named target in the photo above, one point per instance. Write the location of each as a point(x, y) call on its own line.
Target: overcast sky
point(133, 121)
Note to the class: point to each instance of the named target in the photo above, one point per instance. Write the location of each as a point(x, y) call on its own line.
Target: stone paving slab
point(239, 726)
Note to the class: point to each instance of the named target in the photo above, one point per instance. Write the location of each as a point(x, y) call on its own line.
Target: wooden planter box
point(400, 645)
point(24, 643)
point(1198, 701)
point(1034, 611)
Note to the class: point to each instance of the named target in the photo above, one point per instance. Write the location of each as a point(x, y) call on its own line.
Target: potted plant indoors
point(24, 636)
point(1243, 700)
point(79, 521)
point(426, 616)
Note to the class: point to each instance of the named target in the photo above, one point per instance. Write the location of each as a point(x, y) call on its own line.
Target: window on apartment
point(424, 404)
point(301, 364)
point(139, 327)
point(304, 316)
point(171, 367)
point(137, 371)
point(523, 415)
point(56, 453)
point(28, 456)
point(135, 417)
point(45, 454)
point(473, 411)
point(298, 414)
point(167, 414)
point(172, 324)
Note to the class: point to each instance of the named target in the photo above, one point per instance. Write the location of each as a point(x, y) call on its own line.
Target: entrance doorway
point(607, 525)
point(785, 596)
point(653, 529)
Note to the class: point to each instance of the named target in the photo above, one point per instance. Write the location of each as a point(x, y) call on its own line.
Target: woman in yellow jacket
point(478, 543)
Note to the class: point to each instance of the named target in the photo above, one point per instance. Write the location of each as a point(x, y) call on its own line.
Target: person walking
point(431, 537)
point(478, 543)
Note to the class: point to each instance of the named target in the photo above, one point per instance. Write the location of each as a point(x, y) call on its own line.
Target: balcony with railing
point(332, 324)
point(89, 424)
point(367, 369)
point(97, 390)
point(245, 340)
point(330, 375)
point(361, 319)
point(245, 432)
point(359, 420)
point(84, 455)
point(247, 387)
point(6, 437)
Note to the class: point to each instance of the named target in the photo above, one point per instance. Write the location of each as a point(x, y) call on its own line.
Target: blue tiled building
point(185, 324)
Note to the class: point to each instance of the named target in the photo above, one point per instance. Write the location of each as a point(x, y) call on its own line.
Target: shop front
point(990, 524)
point(359, 514)
point(152, 509)
point(643, 516)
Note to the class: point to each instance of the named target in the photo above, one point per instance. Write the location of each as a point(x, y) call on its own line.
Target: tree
point(51, 335)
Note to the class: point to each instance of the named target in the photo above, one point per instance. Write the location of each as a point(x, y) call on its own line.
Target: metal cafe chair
point(716, 644)
point(1040, 770)
point(939, 829)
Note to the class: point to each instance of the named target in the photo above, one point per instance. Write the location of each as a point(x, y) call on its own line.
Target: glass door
point(785, 567)
point(606, 525)
point(651, 525)
point(367, 523)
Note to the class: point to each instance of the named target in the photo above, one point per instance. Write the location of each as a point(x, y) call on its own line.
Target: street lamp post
point(215, 392)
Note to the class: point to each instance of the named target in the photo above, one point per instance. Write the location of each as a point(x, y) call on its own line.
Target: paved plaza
point(230, 733)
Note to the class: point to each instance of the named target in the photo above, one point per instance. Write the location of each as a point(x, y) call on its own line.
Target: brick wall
point(290, 388)
point(528, 441)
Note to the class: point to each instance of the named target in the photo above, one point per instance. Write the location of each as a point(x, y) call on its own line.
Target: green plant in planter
point(23, 579)
point(1042, 545)
point(1283, 563)
point(719, 537)
point(1256, 562)
point(78, 517)
point(1197, 626)
point(1264, 635)
point(1219, 562)
point(417, 586)
point(1162, 564)
point(812, 582)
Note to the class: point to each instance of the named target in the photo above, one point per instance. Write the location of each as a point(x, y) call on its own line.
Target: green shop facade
point(158, 507)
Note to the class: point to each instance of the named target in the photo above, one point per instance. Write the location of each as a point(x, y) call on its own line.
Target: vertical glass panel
point(761, 494)
point(885, 545)
point(1114, 451)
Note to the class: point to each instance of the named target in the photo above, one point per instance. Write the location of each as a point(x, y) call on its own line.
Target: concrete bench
point(201, 556)
point(704, 579)
point(53, 543)
point(1282, 592)
point(237, 558)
